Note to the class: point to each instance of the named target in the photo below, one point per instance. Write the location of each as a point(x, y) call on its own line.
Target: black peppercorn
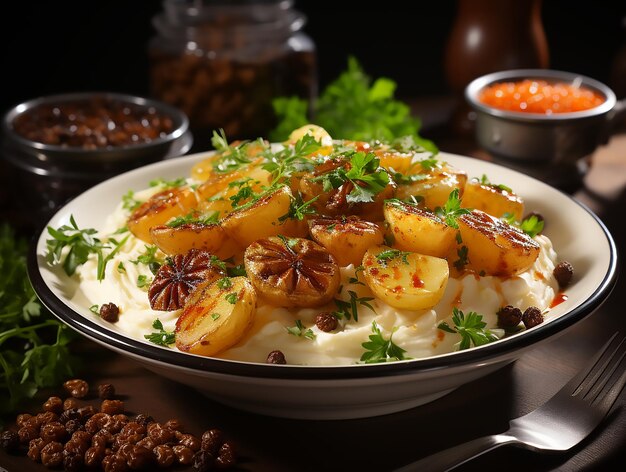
point(109, 312)
point(532, 317)
point(563, 273)
point(509, 316)
point(276, 357)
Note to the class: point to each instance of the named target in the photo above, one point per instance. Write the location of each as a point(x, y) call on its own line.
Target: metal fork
point(560, 423)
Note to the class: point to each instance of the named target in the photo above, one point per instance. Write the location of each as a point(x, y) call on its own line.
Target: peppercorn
point(109, 312)
point(563, 273)
point(106, 391)
point(326, 322)
point(10, 441)
point(203, 461)
point(77, 388)
point(276, 357)
point(532, 317)
point(509, 316)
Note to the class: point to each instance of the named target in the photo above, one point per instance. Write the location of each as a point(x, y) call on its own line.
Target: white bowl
point(340, 392)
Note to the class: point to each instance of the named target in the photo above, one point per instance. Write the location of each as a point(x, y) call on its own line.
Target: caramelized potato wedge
point(159, 209)
point(217, 317)
point(179, 240)
point(262, 219)
point(405, 280)
point(492, 199)
point(418, 230)
point(494, 247)
point(435, 187)
point(317, 132)
point(346, 238)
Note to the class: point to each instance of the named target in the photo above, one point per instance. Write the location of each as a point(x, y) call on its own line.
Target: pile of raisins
point(75, 438)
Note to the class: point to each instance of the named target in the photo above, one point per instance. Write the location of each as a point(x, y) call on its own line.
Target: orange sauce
point(539, 96)
point(560, 298)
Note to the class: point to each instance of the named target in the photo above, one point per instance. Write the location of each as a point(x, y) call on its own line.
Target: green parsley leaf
point(193, 217)
point(143, 281)
point(299, 209)
point(463, 260)
point(452, 209)
point(388, 254)
point(237, 271)
point(349, 309)
point(532, 226)
point(471, 327)
point(300, 331)
point(129, 202)
point(160, 336)
point(224, 283)
point(215, 316)
point(217, 262)
point(95, 309)
point(164, 183)
point(232, 298)
point(378, 349)
point(484, 180)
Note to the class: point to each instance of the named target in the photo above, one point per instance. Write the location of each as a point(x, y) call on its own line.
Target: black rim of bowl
point(474, 88)
point(207, 364)
point(181, 122)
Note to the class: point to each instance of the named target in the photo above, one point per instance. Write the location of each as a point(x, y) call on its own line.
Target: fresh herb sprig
point(531, 225)
point(350, 309)
point(452, 209)
point(484, 180)
point(34, 346)
point(471, 327)
point(378, 349)
point(387, 255)
point(353, 107)
point(81, 243)
point(300, 331)
point(160, 337)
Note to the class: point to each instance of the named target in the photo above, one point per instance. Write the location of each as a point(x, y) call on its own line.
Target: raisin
point(212, 440)
point(112, 407)
point(326, 322)
point(52, 454)
point(532, 317)
point(164, 455)
point(139, 458)
point(563, 273)
point(203, 461)
point(53, 404)
point(226, 457)
point(276, 357)
point(54, 431)
point(509, 316)
point(106, 391)
point(77, 388)
point(109, 312)
point(184, 455)
point(10, 441)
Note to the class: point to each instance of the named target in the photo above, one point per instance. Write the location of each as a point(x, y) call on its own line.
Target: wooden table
point(383, 443)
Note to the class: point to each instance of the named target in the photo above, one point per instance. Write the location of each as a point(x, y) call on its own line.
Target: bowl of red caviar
point(542, 116)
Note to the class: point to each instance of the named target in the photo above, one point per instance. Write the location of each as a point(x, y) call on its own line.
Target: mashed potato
point(414, 331)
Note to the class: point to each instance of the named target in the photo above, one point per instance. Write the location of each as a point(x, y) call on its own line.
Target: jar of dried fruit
point(223, 61)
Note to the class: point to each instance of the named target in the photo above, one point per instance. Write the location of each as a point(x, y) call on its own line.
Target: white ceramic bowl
point(343, 391)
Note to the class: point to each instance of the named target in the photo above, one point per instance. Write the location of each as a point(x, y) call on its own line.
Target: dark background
point(55, 47)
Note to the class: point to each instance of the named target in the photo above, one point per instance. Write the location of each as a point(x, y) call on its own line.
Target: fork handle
point(457, 455)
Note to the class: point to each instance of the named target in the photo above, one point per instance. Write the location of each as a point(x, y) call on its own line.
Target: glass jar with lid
point(223, 62)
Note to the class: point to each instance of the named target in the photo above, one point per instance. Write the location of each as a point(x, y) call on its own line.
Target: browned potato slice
point(292, 271)
point(217, 317)
point(204, 170)
point(494, 247)
point(405, 280)
point(346, 238)
point(262, 219)
point(159, 209)
point(418, 230)
point(492, 199)
point(435, 187)
point(396, 160)
point(179, 240)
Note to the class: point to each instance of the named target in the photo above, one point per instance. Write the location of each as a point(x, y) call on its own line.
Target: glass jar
point(222, 62)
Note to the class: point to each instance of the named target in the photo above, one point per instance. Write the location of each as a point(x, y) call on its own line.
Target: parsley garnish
point(236, 271)
point(429, 164)
point(129, 202)
point(365, 174)
point(292, 159)
point(471, 327)
point(355, 280)
point(231, 298)
point(178, 182)
point(82, 243)
point(217, 262)
point(349, 309)
point(452, 210)
point(95, 309)
point(300, 331)
point(378, 349)
point(299, 209)
point(230, 158)
point(388, 254)
point(224, 283)
point(532, 225)
point(463, 260)
point(143, 281)
point(484, 180)
point(195, 218)
point(215, 316)
point(160, 337)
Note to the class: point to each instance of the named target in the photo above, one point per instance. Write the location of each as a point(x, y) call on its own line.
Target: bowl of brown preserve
point(60, 145)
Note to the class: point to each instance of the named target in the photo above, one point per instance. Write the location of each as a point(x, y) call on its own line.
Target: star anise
point(180, 276)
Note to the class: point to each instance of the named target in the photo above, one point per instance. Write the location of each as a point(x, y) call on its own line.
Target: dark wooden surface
point(384, 443)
